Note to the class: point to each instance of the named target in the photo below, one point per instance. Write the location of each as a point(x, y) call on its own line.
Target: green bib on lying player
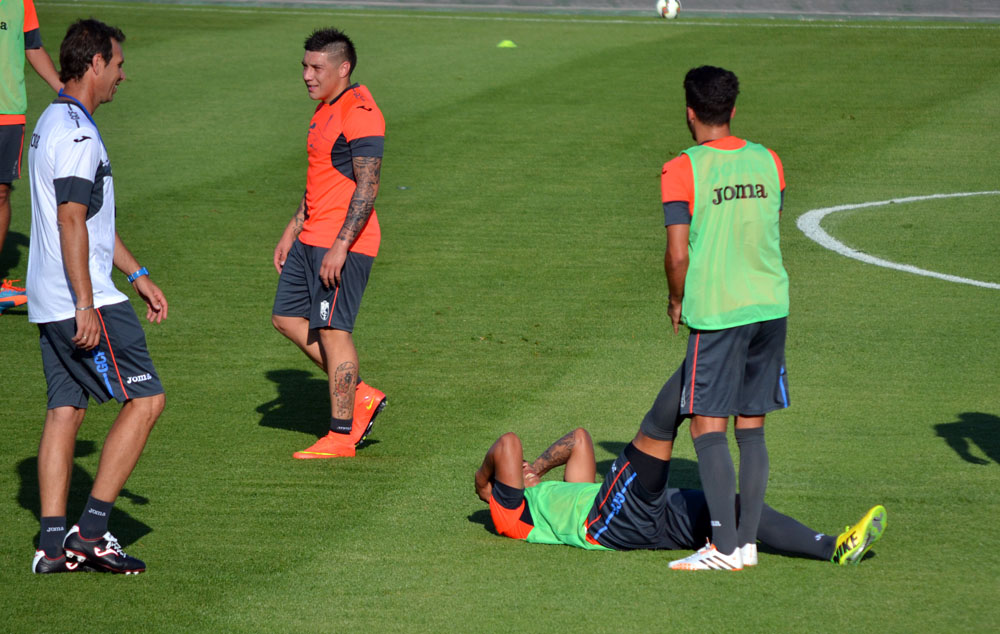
point(559, 511)
point(735, 275)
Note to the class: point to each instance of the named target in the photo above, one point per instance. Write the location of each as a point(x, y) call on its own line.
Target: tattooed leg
point(339, 355)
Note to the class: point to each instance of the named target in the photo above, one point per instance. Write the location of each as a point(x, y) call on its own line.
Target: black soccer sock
point(340, 425)
point(754, 469)
point(651, 471)
point(718, 479)
point(663, 418)
point(50, 539)
point(93, 521)
point(784, 533)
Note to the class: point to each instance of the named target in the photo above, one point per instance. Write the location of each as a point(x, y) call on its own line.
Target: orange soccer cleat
point(368, 402)
point(333, 445)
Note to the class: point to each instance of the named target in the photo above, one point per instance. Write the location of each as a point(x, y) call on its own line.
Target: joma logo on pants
point(138, 379)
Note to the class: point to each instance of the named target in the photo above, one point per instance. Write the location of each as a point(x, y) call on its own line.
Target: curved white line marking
point(808, 223)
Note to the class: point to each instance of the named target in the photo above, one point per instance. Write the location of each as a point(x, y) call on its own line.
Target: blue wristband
point(132, 278)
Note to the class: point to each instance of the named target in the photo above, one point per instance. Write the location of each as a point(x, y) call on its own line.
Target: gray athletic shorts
point(301, 293)
point(118, 368)
point(736, 371)
point(11, 145)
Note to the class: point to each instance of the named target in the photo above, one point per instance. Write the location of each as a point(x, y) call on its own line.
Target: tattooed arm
point(292, 231)
point(575, 450)
point(367, 172)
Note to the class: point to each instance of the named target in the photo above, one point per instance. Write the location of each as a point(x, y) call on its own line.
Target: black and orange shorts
point(509, 510)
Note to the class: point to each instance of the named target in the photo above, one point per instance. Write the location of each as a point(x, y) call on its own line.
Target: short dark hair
point(84, 39)
point(334, 43)
point(711, 92)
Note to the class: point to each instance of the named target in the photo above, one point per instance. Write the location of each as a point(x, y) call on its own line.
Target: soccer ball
point(668, 8)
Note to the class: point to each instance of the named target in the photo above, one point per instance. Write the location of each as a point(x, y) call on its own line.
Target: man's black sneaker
point(102, 553)
point(43, 565)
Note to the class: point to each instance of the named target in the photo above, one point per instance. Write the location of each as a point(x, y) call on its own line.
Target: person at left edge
point(326, 252)
point(20, 40)
point(93, 346)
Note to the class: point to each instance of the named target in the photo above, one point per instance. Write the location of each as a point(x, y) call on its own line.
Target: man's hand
point(88, 329)
point(333, 264)
point(291, 232)
point(674, 312)
point(156, 303)
point(530, 475)
point(281, 251)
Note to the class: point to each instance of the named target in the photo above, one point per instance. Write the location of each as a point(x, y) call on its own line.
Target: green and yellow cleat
point(856, 540)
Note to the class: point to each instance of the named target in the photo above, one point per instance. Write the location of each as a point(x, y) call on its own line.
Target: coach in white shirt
point(93, 346)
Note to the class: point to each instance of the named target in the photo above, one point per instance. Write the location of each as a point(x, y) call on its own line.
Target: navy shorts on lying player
point(626, 516)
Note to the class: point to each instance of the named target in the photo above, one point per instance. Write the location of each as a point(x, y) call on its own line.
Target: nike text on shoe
point(708, 558)
point(333, 445)
point(102, 553)
point(42, 565)
point(857, 540)
point(748, 554)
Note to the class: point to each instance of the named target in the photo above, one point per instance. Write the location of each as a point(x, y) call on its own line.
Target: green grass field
point(520, 288)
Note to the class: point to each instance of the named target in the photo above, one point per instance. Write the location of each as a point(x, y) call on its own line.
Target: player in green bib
point(722, 201)
point(20, 40)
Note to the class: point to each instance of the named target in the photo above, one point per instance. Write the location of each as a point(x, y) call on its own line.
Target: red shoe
point(8, 285)
point(368, 402)
point(333, 445)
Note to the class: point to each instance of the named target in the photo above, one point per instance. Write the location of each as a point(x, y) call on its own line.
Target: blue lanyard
point(82, 107)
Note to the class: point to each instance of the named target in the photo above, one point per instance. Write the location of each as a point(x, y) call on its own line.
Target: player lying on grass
point(633, 508)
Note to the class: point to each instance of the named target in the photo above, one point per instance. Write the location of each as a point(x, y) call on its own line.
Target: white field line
point(808, 223)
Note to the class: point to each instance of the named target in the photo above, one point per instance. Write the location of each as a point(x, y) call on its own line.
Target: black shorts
point(119, 367)
point(626, 516)
point(11, 147)
point(736, 371)
point(301, 293)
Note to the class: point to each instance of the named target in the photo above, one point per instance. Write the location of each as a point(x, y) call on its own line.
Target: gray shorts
point(118, 368)
point(736, 371)
point(301, 293)
point(11, 146)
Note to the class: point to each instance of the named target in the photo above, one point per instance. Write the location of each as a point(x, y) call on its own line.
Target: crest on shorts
point(324, 309)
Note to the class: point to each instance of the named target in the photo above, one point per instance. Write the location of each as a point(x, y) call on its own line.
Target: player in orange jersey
point(325, 255)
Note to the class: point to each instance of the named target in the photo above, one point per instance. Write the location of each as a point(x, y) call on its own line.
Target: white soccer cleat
point(708, 558)
point(748, 553)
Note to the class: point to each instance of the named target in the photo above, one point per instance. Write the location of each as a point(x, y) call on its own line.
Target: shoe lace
point(114, 545)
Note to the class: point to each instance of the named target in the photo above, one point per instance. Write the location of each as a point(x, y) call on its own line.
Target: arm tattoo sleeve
point(367, 171)
point(555, 455)
point(299, 218)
